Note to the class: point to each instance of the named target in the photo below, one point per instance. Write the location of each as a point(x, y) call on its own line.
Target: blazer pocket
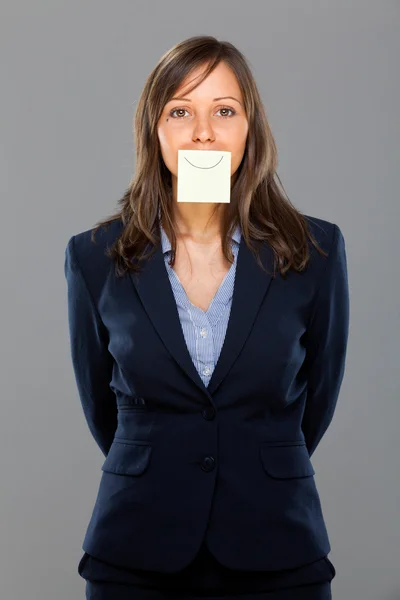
point(127, 457)
point(133, 408)
point(133, 403)
point(286, 462)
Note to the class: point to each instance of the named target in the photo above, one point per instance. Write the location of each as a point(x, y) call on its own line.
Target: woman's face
point(204, 119)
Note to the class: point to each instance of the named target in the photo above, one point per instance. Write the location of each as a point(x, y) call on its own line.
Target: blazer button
point(209, 413)
point(208, 463)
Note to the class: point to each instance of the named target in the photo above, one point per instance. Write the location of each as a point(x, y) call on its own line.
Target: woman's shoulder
point(320, 228)
point(86, 248)
point(88, 258)
point(326, 233)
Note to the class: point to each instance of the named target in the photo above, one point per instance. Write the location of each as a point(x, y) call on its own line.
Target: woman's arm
point(326, 342)
point(92, 363)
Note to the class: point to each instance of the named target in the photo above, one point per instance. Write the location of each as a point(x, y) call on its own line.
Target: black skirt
point(205, 577)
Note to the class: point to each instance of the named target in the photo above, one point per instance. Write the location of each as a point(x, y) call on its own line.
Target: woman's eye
point(182, 110)
point(176, 110)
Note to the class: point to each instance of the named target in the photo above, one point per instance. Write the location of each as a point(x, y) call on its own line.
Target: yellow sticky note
point(204, 176)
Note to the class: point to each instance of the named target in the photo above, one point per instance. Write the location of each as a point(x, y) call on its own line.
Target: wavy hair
point(257, 202)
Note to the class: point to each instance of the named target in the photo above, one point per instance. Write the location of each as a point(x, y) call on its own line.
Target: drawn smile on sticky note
point(204, 176)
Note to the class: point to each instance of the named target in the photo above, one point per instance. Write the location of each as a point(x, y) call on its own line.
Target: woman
point(208, 343)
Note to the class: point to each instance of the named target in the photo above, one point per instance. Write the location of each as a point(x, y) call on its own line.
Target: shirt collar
point(166, 244)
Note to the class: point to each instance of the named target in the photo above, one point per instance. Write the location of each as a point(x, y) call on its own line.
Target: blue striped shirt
point(204, 332)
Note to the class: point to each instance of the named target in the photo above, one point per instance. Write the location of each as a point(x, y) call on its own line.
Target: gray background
point(71, 75)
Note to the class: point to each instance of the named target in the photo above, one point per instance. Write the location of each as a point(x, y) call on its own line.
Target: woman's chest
point(266, 324)
point(201, 279)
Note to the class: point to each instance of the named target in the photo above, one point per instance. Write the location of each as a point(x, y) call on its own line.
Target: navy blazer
point(230, 461)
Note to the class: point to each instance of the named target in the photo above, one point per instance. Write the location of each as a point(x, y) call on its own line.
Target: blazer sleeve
point(91, 360)
point(327, 336)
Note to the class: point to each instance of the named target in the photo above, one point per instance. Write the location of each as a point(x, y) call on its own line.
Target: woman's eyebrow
point(214, 100)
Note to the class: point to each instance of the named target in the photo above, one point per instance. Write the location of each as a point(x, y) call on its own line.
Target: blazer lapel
point(250, 288)
point(251, 284)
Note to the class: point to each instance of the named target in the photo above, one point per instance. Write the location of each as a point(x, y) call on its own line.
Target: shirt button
point(203, 332)
point(207, 371)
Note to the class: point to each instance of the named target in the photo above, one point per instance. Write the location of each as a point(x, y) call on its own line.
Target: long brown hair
point(257, 203)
